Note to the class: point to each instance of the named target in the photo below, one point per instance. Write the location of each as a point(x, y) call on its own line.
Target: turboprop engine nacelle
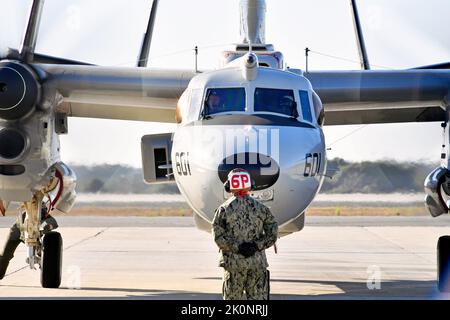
point(437, 188)
point(29, 139)
point(20, 90)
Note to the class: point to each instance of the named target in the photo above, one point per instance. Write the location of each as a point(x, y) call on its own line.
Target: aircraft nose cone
point(263, 169)
point(18, 90)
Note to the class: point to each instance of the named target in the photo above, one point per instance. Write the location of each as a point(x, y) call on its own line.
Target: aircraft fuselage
point(285, 154)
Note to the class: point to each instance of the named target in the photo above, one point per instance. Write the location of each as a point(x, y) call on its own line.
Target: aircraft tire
point(443, 259)
point(51, 260)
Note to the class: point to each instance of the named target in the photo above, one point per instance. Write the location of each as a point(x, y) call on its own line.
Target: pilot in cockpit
point(287, 105)
point(214, 103)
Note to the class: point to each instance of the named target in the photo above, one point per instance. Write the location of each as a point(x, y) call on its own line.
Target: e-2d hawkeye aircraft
point(252, 113)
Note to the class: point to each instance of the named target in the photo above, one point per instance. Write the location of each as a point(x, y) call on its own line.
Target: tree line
point(350, 177)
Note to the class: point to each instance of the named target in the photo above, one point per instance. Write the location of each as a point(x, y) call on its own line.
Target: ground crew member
point(243, 228)
point(48, 224)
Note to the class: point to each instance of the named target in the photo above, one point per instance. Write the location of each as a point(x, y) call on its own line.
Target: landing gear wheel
point(443, 256)
point(51, 260)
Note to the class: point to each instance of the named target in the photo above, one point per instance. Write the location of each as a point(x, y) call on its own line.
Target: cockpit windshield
point(224, 100)
point(276, 100)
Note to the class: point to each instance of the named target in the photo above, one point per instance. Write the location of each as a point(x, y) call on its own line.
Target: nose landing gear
point(437, 187)
point(44, 245)
point(51, 262)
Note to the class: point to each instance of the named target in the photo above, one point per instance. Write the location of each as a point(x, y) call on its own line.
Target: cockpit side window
point(306, 106)
point(318, 109)
point(276, 100)
point(195, 104)
point(220, 100)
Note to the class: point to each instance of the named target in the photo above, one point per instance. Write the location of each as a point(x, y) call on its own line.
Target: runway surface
point(167, 258)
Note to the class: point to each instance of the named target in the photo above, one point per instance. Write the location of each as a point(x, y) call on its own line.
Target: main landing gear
point(437, 188)
point(443, 258)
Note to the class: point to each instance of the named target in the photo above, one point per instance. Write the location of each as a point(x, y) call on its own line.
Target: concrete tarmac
point(168, 258)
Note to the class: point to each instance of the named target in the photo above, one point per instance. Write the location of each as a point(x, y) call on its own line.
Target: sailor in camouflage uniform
point(243, 228)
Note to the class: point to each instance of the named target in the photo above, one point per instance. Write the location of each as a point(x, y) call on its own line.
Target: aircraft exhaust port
point(12, 144)
point(11, 170)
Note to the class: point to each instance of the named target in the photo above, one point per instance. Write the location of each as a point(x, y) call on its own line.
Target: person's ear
point(253, 184)
point(226, 185)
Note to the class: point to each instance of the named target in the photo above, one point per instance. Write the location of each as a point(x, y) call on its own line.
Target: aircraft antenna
point(306, 58)
point(196, 58)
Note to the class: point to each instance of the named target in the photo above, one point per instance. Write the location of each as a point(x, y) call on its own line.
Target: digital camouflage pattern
point(238, 220)
point(255, 283)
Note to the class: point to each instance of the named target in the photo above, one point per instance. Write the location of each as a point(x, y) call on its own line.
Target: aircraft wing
point(372, 96)
point(142, 94)
point(349, 97)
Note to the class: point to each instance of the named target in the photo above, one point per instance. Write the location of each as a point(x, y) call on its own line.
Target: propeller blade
point(363, 57)
point(443, 65)
point(145, 49)
point(27, 48)
point(42, 58)
point(9, 53)
point(31, 33)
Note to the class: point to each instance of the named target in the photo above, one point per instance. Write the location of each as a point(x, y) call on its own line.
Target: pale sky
point(398, 34)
